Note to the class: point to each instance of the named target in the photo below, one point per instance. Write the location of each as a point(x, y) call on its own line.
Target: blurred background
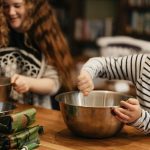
point(84, 21)
point(105, 28)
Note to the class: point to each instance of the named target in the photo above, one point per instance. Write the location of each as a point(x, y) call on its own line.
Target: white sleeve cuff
point(139, 122)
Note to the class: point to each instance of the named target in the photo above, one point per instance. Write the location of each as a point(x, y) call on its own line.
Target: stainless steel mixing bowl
point(91, 116)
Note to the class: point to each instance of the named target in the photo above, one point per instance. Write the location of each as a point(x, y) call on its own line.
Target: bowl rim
point(6, 112)
point(103, 91)
point(6, 84)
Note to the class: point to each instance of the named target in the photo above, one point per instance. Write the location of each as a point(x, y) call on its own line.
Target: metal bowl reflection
point(91, 116)
point(6, 108)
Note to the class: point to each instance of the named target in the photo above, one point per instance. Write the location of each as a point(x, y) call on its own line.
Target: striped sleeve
point(143, 94)
point(143, 123)
point(135, 68)
point(127, 67)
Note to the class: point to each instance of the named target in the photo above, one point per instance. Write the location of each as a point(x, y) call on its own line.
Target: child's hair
point(42, 28)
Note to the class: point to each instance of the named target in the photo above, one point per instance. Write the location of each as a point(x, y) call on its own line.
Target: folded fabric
point(16, 122)
point(30, 146)
point(18, 140)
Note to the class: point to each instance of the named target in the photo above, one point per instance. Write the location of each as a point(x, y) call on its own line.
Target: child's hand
point(129, 111)
point(20, 83)
point(85, 83)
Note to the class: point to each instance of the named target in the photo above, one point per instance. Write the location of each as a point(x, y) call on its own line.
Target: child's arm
point(85, 83)
point(129, 111)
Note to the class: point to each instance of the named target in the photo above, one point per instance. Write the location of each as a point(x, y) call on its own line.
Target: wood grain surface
point(58, 137)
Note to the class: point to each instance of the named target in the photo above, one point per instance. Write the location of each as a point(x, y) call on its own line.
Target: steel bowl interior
point(94, 99)
point(4, 81)
point(6, 108)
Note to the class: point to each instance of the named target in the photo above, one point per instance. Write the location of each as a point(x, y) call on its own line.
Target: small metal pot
point(6, 108)
point(5, 89)
point(91, 116)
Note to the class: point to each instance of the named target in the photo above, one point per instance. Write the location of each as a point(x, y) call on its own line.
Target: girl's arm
point(48, 84)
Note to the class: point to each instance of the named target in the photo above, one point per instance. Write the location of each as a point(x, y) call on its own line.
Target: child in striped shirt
point(136, 68)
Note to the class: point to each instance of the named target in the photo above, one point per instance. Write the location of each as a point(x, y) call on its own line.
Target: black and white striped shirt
point(135, 68)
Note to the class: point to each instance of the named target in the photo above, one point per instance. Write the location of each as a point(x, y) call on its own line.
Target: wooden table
point(58, 137)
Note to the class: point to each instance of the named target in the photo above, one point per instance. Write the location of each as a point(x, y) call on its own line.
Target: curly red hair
point(42, 28)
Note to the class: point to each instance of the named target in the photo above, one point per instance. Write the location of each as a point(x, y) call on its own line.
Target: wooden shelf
point(138, 8)
point(69, 12)
point(143, 36)
point(88, 43)
point(134, 20)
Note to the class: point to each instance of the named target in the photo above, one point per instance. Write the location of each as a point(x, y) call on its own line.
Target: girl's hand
point(85, 83)
point(129, 111)
point(20, 83)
